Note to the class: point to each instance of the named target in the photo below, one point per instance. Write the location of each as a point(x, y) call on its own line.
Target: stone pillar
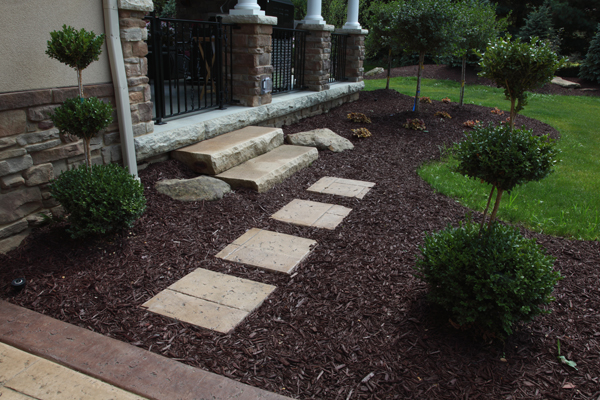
point(313, 13)
point(133, 33)
point(247, 7)
point(352, 16)
point(355, 53)
point(318, 56)
point(251, 47)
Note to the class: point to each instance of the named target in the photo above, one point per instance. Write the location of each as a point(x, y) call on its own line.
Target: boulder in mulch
point(322, 139)
point(196, 189)
point(374, 71)
point(565, 83)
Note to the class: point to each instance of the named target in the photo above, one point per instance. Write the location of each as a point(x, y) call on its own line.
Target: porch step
point(223, 152)
point(265, 171)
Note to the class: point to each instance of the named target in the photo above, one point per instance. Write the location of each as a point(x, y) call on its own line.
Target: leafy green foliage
point(538, 24)
point(590, 67)
point(77, 49)
point(518, 66)
point(99, 200)
point(83, 118)
point(489, 281)
point(503, 158)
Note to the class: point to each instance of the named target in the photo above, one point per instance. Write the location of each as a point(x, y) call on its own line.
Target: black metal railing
point(189, 65)
point(337, 71)
point(289, 48)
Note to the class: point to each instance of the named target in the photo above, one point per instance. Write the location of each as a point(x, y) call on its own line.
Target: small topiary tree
point(517, 67)
point(99, 200)
point(489, 281)
point(504, 159)
point(81, 117)
point(590, 67)
point(77, 49)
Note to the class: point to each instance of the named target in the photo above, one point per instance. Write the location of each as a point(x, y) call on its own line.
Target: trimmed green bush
point(504, 159)
point(100, 199)
point(489, 281)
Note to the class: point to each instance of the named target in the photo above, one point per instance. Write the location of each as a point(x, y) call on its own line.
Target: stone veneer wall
point(32, 152)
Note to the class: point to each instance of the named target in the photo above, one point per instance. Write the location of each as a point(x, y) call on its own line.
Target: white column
point(352, 19)
point(313, 13)
point(247, 7)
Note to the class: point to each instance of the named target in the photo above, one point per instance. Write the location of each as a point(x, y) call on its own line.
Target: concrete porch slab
point(221, 153)
point(311, 213)
point(210, 299)
point(265, 171)
point(341, 187)
point(268, 250)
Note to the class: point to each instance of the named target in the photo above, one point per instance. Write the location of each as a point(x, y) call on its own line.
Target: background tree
point(478, 25)
point(425, 26)
point(381, 38)
point(77, 49)
point(590, 67)
point(518, 66)
point(539, 24)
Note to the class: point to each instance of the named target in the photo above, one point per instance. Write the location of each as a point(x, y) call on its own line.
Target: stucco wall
point(25, 28)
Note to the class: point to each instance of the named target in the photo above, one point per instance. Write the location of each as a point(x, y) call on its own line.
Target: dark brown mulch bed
point(352, 322)
point(443, 72)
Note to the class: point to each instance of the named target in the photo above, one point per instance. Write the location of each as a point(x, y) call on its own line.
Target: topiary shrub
point(504, 159)
point(99, 200)
point(489, 281)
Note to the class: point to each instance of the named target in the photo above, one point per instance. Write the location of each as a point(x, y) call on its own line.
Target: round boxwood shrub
point(490, 280)
point(100, 199)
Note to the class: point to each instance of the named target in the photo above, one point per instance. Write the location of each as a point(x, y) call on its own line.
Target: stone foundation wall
point(33, 152)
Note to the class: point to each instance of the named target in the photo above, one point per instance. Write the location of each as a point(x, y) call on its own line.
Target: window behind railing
point(337, 71)
point(189, 65)
point(288, 59)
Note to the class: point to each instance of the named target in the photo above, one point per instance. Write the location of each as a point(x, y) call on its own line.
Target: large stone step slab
point(223, 152)
point(265, 171)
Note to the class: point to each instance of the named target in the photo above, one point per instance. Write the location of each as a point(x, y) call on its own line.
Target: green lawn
point(567, 203)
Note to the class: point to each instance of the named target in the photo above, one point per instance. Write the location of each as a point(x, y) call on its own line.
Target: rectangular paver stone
point(311, 213)
point(195, 311)
point(341, 187)
point(268, 250)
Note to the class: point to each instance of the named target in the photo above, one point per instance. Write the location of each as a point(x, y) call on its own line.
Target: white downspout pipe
point(117, 67)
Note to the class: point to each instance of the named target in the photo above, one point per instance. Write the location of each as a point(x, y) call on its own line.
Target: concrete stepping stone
point(223, 152)
point(312, 213)
point(265, 171)
point(342, 187)
point(268, 250)
point(210, 299)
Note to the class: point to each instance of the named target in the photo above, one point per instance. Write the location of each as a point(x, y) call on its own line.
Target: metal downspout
point(117, 67)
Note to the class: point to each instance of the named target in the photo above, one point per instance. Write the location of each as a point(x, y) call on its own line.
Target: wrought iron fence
point(189, 65)
point(289, 46)
point(337, 71)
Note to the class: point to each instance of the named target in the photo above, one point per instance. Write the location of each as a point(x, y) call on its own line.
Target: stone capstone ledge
point(136, 5)
point(157, 143)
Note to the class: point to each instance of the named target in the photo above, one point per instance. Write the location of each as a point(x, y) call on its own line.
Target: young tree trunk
point(513, 114)
point(389, 69)
point(462, 80)
point(80, 83)
point(487, 207)
point(496, 206)
point(419, 75)
point(88, 153)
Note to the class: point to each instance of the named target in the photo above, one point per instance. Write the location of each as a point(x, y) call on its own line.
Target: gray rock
point(39, 174)
point(374, 71)
point(322, 139)
point(13, 242)
point(13, 165)
point(196, 189)
point(565, 83)
point(37, 137)
point(18, 204)
point(13, 229)
point(7, 142)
